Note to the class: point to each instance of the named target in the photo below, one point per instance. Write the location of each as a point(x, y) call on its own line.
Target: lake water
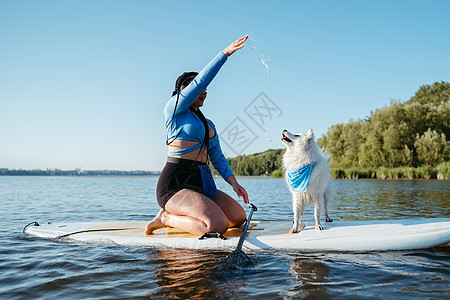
point(35, 268)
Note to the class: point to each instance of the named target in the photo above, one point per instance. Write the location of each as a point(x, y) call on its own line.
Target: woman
point(186, 191)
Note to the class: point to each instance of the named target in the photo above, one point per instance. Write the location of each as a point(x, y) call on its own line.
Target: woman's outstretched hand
point(234, 46)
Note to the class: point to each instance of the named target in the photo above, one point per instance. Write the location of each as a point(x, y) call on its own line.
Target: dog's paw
point(327, 219)
point(296, 230)
point(319, 227)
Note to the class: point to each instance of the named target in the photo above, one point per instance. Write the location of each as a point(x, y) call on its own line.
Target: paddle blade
point(237, 265)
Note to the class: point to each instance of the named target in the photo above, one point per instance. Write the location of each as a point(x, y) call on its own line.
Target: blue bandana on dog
point(299, 179)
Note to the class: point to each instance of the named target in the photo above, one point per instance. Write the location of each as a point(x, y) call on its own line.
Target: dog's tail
point(325, 154)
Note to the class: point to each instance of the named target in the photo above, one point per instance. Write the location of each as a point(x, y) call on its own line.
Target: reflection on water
point(182, 273)
point(311, 274)
point(190, 274)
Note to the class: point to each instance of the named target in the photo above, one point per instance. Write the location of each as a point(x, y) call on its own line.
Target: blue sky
point(83, 83)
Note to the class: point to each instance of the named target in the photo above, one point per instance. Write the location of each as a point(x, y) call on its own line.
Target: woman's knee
point(238, 219)
point(234, 212)
point(218, 224)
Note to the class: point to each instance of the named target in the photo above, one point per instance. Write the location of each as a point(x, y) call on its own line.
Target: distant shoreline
point(421, 173)
point(78, 173)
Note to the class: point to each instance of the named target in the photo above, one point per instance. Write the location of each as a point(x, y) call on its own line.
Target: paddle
point(237, 261)
point(244, 231)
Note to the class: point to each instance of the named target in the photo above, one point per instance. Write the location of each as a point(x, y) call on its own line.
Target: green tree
point(432, 148)
point(335, 145)
point(395, 146)
point(371, 154)
point(436, 93)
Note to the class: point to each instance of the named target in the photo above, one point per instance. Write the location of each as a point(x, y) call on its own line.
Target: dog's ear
point(310, 135)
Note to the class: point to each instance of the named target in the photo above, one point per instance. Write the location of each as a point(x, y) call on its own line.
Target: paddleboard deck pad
point(337, 236)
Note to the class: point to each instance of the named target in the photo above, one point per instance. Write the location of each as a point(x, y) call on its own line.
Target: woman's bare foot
point(156, 223)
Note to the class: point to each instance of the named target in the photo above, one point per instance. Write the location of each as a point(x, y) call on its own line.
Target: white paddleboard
point(336, 236)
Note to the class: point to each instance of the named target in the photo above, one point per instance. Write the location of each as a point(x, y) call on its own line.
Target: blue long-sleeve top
point(183, 124)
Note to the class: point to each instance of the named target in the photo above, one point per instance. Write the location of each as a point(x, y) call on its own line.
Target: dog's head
point(298, 140)
point(301, 149)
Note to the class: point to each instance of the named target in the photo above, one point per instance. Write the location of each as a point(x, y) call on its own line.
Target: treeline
point(259, 164)
point(401, 140)
point(57, 172)
point(410, 135)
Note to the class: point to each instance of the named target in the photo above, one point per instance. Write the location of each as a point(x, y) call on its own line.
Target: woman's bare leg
point(232, 210)
point(192, 212)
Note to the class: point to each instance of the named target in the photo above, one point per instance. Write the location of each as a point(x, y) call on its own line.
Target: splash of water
point(257, 46)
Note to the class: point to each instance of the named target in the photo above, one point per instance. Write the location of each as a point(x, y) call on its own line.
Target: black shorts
point(180, 174)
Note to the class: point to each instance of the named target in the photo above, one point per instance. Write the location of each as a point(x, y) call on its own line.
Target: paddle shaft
point(244, 231)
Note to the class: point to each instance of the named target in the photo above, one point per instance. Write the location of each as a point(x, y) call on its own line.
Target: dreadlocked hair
point(183, 80)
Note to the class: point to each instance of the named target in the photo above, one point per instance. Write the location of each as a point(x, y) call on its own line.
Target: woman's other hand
point(238, 189)
point(241, 192)
point(236, 45)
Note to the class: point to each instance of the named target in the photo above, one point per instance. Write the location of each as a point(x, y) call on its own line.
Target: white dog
point(307, 175)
